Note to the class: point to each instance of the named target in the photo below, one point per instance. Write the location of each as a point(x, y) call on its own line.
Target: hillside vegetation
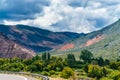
point(36, 39)
point(104, 42)
point(87, 67)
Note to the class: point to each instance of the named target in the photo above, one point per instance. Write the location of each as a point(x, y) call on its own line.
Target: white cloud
point(25, 22)
point(76, 19)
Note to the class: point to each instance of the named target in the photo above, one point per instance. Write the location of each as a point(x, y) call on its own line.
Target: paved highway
point(13, 77)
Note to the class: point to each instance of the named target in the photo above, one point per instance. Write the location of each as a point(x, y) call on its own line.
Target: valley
point(59, 39)
point(83, 56)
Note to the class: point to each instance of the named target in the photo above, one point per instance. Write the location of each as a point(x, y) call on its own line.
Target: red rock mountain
point(37, 39)
point(10, 49)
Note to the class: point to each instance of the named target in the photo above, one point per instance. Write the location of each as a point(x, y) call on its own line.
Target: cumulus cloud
point(76, 16)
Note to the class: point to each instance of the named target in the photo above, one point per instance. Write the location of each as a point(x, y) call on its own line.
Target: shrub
point(52, 72)
point(15, 69)
point(67, 73)
point(94, 71)
point(105, 78)
point(114, 65)
point(45, 73)
point(115, 75)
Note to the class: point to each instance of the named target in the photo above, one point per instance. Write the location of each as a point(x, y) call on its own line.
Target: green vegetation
point(67, 73)
point(86, 67)
point(109, 45)
point(86, 56)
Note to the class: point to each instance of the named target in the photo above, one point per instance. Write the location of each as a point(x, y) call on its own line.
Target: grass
point(105, 48)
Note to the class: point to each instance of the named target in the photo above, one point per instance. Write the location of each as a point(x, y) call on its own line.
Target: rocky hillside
point(10, 49)
point(104, 42)
point(37, 39)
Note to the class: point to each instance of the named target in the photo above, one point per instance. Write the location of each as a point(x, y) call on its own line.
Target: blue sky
point(60, 15)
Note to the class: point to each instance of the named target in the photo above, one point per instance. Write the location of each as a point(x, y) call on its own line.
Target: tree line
point(46, 64)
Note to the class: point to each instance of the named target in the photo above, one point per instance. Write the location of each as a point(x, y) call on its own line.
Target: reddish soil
point(94, 40)
point(67, 46)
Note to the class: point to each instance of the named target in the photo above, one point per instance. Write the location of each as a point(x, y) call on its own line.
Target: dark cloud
point(75, 4)
point(21, 9)
point(78, 3)
point(99, 22)
point(61, 15)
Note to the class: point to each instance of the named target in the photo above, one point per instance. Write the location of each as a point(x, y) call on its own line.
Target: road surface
point(13, 77)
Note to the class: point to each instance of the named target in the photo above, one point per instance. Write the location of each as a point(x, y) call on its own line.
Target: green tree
point(106, 62)
point(37, 57)
point(27, 61)
point(118, 58)
point(39, 65)
point(100, 61)
point(67, 73)
point(71, 60)
point(115, 75)
point(86, 56)
point(94, 71)
point(46, 56)
point(32, 68)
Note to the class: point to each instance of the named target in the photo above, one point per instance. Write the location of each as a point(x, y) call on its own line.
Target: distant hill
point(37, 39)
point(10, 49)
point(104, 42)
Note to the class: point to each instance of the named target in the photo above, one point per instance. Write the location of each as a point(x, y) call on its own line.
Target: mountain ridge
point(104, 42)
point(10, 49)
point(35, 38)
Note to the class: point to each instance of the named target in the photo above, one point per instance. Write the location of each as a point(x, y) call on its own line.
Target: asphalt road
point(13, 77)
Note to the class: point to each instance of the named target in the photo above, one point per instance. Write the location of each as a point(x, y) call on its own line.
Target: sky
point(81, 16)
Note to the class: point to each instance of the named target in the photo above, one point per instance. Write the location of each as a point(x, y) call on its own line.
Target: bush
point(45, 73)
point(86, 68)
point(119, 68)
point(32, 68)
point(115, 75)
point(52, 72)
point(94, 71)
point(105, 78)
point(105, 71)
point(15, 69)
point(114, 65)
point(67, 73)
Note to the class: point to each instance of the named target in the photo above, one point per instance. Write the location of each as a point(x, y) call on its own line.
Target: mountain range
point(104, 42)
point(36, 39)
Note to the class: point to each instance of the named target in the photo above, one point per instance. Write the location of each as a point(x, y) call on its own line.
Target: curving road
point(13, 77)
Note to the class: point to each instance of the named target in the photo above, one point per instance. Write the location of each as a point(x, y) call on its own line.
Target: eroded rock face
point(37, 39)
point(10, 49)
point(94, 40)
point(67, 47)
